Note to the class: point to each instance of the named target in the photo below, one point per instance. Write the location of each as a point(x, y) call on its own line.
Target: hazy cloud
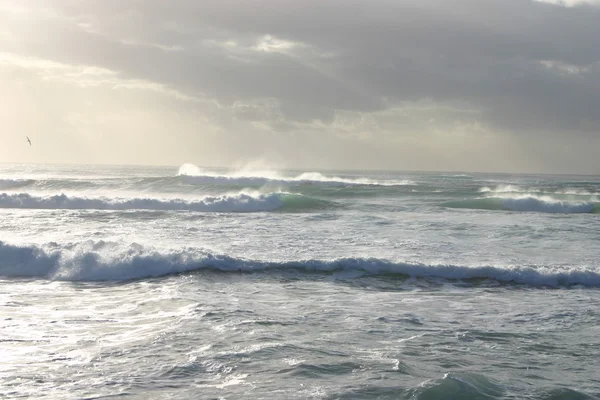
point(502, 74)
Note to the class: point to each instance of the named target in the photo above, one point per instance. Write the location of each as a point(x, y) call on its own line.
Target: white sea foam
point(502, 189)
point(107, 261)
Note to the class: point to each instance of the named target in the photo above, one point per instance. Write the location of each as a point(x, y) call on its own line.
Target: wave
point(86, 184)
point(107, 261)
point(456, 176)
point(241, 202)
point(14, 183)
point(526, 204)
point(461, 385)
point(565, 192)
point(195, 175)
point(502, 189)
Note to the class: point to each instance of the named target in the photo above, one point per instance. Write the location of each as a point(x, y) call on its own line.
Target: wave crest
point(526, 204)
point(244, 202)
point(228, 203)
point(195, 175)
point(563, 193)
point(106, 261)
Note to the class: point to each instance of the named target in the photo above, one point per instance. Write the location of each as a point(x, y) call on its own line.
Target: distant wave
point(242, 202)
point(503, 189)
point(566, 192)
point(80, 183)
point(106, 261)
point(456, 176)
point(193, 174)
point(14, 183)
point(526, 203)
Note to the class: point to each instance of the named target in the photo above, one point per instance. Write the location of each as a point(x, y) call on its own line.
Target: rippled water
point(318, 285)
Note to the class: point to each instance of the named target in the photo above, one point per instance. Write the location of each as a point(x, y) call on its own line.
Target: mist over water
point(191, 282)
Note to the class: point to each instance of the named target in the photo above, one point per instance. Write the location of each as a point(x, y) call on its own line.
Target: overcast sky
point(469, 85)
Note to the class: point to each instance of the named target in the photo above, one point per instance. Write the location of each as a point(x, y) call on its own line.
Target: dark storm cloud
point(527, 66)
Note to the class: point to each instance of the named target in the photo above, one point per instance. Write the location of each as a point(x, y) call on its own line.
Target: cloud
point(406, 72)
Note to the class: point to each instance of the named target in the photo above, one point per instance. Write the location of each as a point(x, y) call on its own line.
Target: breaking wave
point(241, 202)
point(563, 192)
point(526, 203)
point(502, 189)
point(107, 261)
point(193, 174)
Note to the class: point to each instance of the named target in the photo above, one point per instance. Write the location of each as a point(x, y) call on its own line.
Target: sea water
point(186, 282)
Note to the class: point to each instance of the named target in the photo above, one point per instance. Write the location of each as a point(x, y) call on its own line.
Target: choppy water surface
point(150, 282)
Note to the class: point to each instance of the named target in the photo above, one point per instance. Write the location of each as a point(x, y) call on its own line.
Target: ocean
point(189, 282)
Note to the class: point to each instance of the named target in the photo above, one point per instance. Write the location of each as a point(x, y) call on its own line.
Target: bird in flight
point(29, 140)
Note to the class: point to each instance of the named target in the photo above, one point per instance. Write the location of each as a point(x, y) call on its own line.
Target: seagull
point(29, 140)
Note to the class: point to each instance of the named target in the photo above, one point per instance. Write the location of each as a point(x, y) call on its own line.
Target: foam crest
point(546, 205)
point(565, 193)
point(196, 175)
point(578, 192)
point(107, 261)
point(242, 202)
point(502, 189)
point(526, 203)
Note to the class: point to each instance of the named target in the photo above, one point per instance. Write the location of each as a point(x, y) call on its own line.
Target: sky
point(462, 85)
